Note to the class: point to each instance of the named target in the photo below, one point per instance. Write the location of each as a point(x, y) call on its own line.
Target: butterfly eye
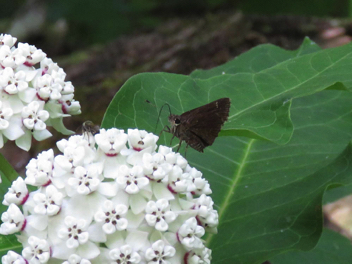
point(177, 121)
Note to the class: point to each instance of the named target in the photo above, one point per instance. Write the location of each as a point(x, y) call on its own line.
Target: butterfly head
point(174, 120)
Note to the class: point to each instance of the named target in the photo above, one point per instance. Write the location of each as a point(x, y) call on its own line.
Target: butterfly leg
point(179, 145)
point(173, 136)
point(165, 129)
point(186, 150)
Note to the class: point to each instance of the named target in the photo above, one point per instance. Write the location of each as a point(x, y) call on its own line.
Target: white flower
point(5, 115)
point(85, 181)
point(12, 258)
point(124, 255)
point(7, 40)
point(48, 203)
point(17, 193)
point(31, 97)
point(75, 232)
point(39, 171)
point(75, 259)
point(34, 116)
point(90, 207)
point(47, 88)
point(141, 139)
point(112, 217)
point(12, 82)
point(48, 66)
point(32, 54)
point(13, 220)
point(190, 233)
point(132, 180)
point(199, 256)
point(159, 253)
point(9, 58)
point(37, 252)
point(111, 141)
point(158, 214)
point(155, 167)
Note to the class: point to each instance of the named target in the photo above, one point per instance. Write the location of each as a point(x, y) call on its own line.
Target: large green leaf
point(331, 249)
point(258, 59)
point(260, 99)
point(268, 196)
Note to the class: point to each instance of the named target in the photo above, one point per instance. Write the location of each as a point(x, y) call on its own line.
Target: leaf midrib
point(231, 191)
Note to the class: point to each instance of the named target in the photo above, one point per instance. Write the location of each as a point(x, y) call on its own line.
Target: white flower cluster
point(33, 94)
point(103, 202)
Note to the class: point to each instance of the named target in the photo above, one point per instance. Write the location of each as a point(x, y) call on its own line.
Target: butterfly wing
point(202, 125)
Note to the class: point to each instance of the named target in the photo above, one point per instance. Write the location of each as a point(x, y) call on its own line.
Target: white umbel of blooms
point(110, 198)
point(33, 94)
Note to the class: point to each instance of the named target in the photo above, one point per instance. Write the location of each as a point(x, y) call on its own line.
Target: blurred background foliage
point(85, 22)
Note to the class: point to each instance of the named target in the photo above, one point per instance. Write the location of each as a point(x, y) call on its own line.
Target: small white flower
point(12, 258)
point(5, 115)
point(7, 40)
point(48, 66)
point(111, 141)
point(141, 139)
point(158, 214)
point(199, 256)
point(190, 233)
point(47, 88)
point(124, 255)
point(9, 58)
point(198, 183)
point(12, 82)
point(112, 217)
point(85, 181)
point(132, 180)
point(31, 53)
point(48, 203)
point(155, 167)
point(75, 259)
point(69, 105)
point(13, 220)
point(39, 171)
point(75, 232)
point(34, 116)
point(206, 215)
point(159, 253)
point(178, 182)
point(68, 88)
point(37, 252)
point(17, 193)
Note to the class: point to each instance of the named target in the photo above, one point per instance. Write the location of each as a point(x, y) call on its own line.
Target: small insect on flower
point(90, 127)
point(200, 126)
point(88, 130)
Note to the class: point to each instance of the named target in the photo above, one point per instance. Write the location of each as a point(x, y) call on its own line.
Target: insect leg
point(165, 129)
point(186, 150)
point(179, 145)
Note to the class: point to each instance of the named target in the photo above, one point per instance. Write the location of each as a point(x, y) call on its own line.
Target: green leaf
point(260, 99)
point(268, 196)
point(9, 243)
point(332, 248)
point(337, 193)
point(257, 59)
point(6, 169)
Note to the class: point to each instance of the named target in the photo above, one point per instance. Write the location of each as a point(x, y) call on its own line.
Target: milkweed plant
point(111, 197)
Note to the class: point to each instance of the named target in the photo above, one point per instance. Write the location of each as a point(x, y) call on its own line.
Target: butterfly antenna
point(157, 122)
